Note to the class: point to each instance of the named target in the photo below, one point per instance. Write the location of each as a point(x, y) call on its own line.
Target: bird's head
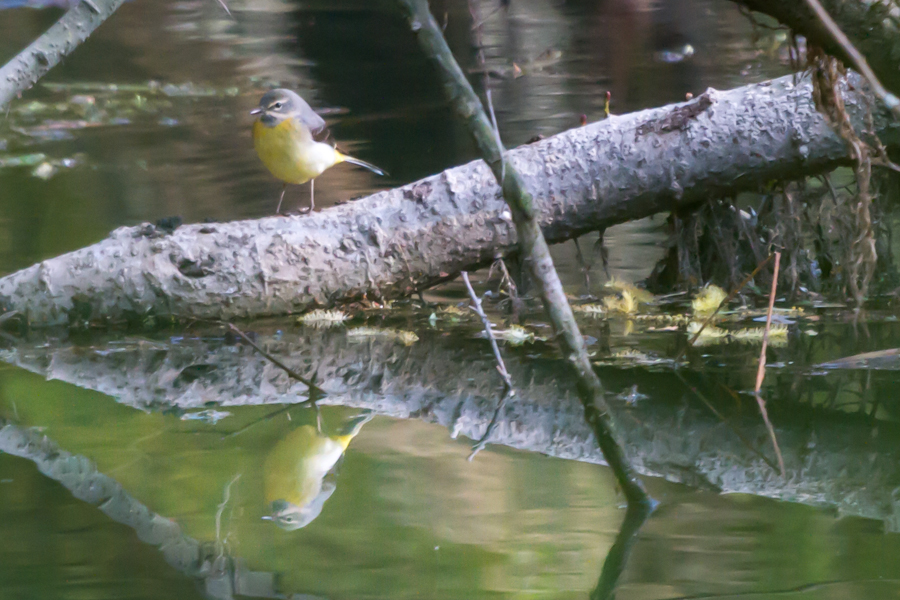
point(277, 105)
point(289, 516)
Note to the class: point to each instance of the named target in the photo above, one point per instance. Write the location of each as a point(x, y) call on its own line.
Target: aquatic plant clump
point(708, 300)
point(323, 318)
point(407, 338)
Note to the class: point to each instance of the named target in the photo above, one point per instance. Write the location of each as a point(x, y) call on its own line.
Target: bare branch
point(290, 372)
point(47, 51)
point(531, 242)
point(859, 61)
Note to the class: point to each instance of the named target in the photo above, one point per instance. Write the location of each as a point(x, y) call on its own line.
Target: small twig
point(859, 61)
point(476, 306)
point(585, 268)
point(508, 280)
point(761, 370)
point(272, 415)
point(532, 244)
point(724, 420)
point(483, 442)
point(476, 28)
point(478, 23)
point(220, 544)
point(290, 372)
point(508, 390)
point(225, 8)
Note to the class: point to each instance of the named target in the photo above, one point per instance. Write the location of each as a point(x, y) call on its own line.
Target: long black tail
point(363, 164)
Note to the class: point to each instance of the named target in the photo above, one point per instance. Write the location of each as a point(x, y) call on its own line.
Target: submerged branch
point(56, 43)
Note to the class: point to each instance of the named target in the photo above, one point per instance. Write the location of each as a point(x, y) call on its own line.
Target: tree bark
point(395, 242)
point(830, 460)
point(55, 44)
point(873, 26)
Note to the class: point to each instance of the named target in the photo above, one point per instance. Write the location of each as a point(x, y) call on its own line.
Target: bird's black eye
point(277, 105)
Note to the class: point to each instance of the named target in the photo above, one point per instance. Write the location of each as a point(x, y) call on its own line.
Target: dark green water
point(150, 119)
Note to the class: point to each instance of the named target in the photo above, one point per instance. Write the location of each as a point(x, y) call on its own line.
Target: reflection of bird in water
point(295, 471)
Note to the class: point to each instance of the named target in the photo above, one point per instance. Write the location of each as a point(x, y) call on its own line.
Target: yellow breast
point(290, 153)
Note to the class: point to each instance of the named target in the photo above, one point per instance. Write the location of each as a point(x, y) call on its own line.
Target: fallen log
point(396, 242)
point(831, 459)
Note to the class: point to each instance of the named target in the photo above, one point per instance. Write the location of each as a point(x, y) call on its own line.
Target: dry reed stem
point(761, 370)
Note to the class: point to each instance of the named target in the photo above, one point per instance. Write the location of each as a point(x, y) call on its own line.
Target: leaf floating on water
point(408, 338)
point(323, 318)
point(24, 160)
point(207, 416)
point(708, 300)
point(632, 396)
point(451, 313)
point(516, 335)
point(44, 171)
point(454, 310)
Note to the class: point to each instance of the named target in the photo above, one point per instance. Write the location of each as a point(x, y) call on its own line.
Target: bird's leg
point(281, 199)
point(318, 418)
point(312, 197)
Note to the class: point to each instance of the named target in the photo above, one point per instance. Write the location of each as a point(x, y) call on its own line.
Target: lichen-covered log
point(395, 242)
point(830, 461)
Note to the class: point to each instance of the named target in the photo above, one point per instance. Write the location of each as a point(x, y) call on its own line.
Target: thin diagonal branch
point(859, 61)
point(313, 388)
point(56, 43)
point(532, 245)
point(508, 391)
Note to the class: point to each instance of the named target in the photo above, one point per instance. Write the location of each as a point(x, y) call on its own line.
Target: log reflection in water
point(831, 459)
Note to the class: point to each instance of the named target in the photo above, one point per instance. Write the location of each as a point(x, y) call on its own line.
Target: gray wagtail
point(284, 136)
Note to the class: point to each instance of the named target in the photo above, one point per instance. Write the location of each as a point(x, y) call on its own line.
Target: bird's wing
point(309, 117)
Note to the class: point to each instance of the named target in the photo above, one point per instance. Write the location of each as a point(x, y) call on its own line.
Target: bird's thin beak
point(256, 111)
point(268, 518)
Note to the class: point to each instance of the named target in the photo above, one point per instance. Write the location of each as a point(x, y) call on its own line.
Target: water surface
point(150, 119)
